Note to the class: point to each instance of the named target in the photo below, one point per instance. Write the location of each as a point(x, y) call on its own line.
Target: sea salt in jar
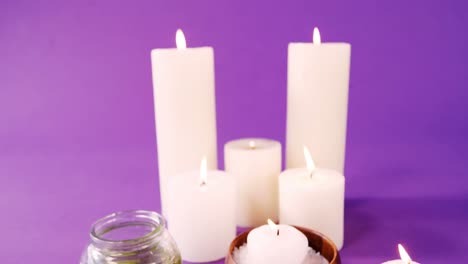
point(131, 237)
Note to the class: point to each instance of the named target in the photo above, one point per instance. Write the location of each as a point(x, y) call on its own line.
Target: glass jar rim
point(111, 222)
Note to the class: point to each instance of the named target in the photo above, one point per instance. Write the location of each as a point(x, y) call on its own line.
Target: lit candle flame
point(309, 161)
point(203, 172)
point(404, 255)
point(273, 226)
point(316, 36)
point(252, 144)
point(180, 40)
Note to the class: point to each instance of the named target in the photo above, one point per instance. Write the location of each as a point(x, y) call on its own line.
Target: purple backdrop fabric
point(77, 126)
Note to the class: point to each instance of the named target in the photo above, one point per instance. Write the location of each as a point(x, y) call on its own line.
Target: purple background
point(77, 126)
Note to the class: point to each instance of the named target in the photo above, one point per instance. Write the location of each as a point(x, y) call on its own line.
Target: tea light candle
point(184, 104)
point(276, 244)
point(201, 213)
point(255, 163)
point(405, 258)
point(318, 77)
point(314, 198)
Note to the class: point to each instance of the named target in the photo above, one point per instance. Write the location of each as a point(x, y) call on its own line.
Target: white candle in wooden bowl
point(276, 244)
point(184, 103)
point(255, 163)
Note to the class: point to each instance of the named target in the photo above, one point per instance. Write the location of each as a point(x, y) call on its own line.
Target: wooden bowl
point(317, 241)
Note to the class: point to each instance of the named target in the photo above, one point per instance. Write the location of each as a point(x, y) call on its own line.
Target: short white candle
point(404, 257)
point(255, 163)
point(276, 244)
point(184, 102)
point(318, 77)
point(314, 198)
point(201, 213)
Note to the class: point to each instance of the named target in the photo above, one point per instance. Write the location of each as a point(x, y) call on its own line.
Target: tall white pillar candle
point(318, 77)
point(184, 103)
point(276, 244)
point(201, 213)
point(405, 258)
point(313, 198)
point(255, 164)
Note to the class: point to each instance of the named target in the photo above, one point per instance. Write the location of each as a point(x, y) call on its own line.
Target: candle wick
point(277, 234)
point(312, 175)
point(203, 184)
point(252, 145)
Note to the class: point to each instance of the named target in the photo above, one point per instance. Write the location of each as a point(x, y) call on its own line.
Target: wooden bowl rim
point(305, 231)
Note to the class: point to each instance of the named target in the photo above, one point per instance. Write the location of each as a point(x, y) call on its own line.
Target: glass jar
point(137, 237)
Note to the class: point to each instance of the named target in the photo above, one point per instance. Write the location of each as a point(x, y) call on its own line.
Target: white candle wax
point(255, 164)
point(184, 103)
point(265, 245)
point(318, 77)
point(314, 201)
point(201, 217)
point(399, 261)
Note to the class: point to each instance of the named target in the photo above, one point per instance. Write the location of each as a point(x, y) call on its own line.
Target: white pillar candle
point(314, 198)
point(404, 257)
point(184, 103)
point(318, 77)
point(276, 244)
point(201, 213)
point(255, 164)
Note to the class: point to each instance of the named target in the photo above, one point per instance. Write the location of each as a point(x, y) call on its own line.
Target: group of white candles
point(203, 206)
